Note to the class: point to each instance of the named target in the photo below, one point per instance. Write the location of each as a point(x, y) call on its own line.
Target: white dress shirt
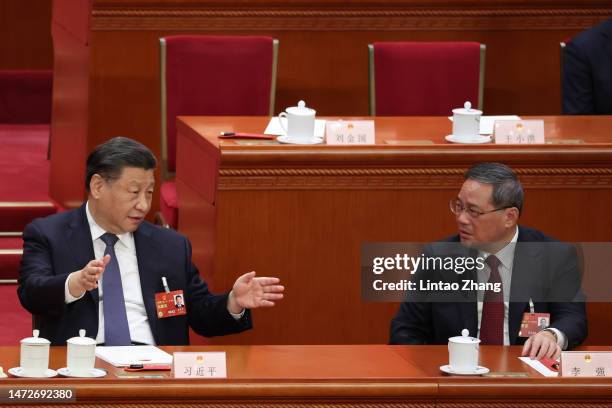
point(506, 262)
point(125, 250)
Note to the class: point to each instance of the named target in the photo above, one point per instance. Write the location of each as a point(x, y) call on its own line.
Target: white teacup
point(466, 122)
point(34, 355)
point(300, 122)
point(81, 355)
point(463, 353)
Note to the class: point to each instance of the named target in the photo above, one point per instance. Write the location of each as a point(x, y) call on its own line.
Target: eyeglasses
point(457, 207)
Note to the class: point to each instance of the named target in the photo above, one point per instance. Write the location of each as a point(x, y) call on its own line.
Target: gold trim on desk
point(26, 204)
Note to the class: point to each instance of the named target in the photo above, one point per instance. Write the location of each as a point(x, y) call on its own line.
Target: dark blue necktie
point(116, 329)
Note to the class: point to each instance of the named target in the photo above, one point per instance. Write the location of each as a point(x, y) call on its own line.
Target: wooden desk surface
point(378, 373)
point(421, 130)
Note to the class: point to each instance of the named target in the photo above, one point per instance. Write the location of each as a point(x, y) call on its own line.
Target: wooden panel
point(25, 34)
point(69, 137)
point(301, 213)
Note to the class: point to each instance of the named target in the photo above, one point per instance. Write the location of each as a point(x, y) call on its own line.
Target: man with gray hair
point(520, 260)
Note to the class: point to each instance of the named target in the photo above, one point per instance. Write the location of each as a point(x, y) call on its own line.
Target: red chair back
point(425, 78)
point(209, 75)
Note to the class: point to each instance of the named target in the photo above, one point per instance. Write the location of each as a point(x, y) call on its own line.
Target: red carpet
point(24, 168)
point(16, 321)
point(10, 257)
point(25, 113)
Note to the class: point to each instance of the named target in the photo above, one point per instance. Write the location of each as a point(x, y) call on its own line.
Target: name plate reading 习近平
point(519, 132)
point(200, 365)
point(586, 364)
point(350, 132)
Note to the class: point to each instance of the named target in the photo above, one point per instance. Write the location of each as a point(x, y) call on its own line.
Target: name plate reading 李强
point(586, 364)
point(520, 132)
point(350, 132)
point(200, 365)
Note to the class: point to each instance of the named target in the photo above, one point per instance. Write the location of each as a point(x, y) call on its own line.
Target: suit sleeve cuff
point(561, 338)
point(68, 298)
point(236, 316)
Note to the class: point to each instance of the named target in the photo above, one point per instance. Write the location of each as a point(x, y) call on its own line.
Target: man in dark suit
point(100, 266)
point(535, 273)
point(587, 72)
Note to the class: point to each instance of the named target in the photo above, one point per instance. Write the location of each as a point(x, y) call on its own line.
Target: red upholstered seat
point(211, 75)
point(25, 96)
point(424, 78)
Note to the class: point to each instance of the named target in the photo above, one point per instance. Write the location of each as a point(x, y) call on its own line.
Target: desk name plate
point(200, 365)
point(350, 132)
point(519, 132)
point(586, 364)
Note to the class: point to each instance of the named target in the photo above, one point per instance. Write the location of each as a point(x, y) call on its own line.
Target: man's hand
point(542, 344)
point(250, 292)
point(87, 278)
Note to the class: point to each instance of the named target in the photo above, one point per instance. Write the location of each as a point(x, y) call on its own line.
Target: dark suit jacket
point(587, 72)
point(60, 244)
point(538, 273)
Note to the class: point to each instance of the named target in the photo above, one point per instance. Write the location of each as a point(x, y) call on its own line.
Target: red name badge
point(170, 304)
point(533, 323)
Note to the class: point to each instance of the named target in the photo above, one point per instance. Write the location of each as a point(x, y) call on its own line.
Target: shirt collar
point(506, 254)
point(97, 231)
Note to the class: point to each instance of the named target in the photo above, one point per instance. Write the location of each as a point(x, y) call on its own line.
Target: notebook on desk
point(122, 356)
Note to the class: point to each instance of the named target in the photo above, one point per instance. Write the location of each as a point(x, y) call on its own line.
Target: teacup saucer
point(471, 140)
point(19, 372)
point(93, 373)
point(478, 371)
point(291, 140)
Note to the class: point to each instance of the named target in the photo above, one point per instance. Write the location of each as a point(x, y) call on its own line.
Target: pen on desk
point(131, 376)
point(243, 135)
point(165, 283)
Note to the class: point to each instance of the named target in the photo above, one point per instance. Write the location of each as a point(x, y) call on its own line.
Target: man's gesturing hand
point(250, 292)
point(87, 278)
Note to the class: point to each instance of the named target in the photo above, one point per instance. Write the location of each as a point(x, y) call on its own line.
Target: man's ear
point(512, 216)
point(96, 184)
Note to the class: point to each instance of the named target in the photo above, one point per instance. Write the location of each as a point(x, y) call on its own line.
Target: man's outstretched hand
point(251, 292)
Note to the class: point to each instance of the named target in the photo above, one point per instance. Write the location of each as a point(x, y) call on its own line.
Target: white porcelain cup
point(466, 122)
point(81, 355)
point(34, 355)
point(298, 122)
point(463, 353)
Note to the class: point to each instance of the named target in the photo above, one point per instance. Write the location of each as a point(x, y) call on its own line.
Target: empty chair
point(210, 75)
point(425, 78)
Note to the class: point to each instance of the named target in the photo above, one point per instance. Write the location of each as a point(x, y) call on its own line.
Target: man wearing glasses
point(537, 274)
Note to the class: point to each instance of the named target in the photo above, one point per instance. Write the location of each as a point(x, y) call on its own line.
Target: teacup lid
point(81, 340)
point(467, 110)
point(301, 109)
point(464, 338)
point(35, 340)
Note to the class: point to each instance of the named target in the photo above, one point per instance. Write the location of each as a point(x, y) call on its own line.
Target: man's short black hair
point(507, 189)
point(109, 158)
